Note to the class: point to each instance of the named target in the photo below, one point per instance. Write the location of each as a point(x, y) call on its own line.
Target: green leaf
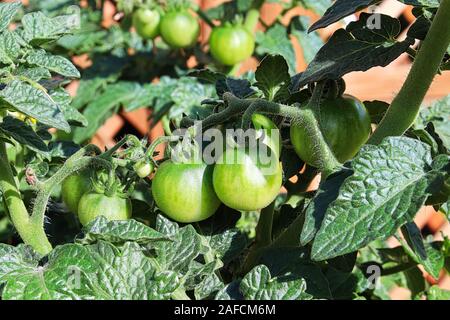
point(438, 114)
point(273, 78)
point(315, 212)
point(118, 232)
point(99, 271)
point(387, 188)
point(72, 115)
point(258, 284)
point(33, 73)
point(34, 103)
point(53, 63)
point(39, 29)
point(376, 109)
point(22, 133)
point(99, 109)
point(310, 42)
point(427, 254)
point(341, 9)
point(177, 255)
point(276, 41)
point(358, 48)
point(9, 48)
point(7, 12)
point(436, 293)
point(318, 6)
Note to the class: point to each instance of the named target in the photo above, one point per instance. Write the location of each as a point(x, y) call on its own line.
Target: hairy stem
point(405, 106)
point(31, 233)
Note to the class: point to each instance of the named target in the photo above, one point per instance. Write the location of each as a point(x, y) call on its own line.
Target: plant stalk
point(406, 105)
point(32, 233)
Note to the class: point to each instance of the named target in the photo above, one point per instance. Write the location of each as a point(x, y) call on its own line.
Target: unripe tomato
point(345, 125)
point(143, 169)
point(93, 204)
point(243, 182)
point(230, 44)
point(184, 192)
point(179, 29)
point(146, 22)
point(73, 188)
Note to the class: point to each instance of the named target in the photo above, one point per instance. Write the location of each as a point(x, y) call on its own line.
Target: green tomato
point(230, 44)
point(73, 188)
point(143, 169)
point(146, 22)
point(243, 181)
point(184, 191)
point(345, 125)
point(93, 204)
point(179, 29)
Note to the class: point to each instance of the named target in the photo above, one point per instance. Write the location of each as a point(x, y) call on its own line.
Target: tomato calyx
point(333, 89)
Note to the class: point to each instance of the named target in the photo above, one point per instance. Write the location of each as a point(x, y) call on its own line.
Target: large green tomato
point(73, 188)
point(93, 204)
point(230, 44)
point(244, 181)
point(179, 29)
point(146, 23)
point(345, 125)
point(184, 191)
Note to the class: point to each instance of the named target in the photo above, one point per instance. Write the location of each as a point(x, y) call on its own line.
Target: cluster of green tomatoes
point(192, 191)
point(229, 43)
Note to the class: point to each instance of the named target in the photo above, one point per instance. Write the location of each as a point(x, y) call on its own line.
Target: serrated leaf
point(177, 255)
point(7, 12)
point(273, 78)
point(439, 114)
point(53, 63)
point(22, 133)
point(34, 103)
point(99, 271)
point(387, 188)
point(241, 88)
point(120, 232)
point(276, 41)
point(39, 29)
point(258, 284)
point(358, 48)
point(315, 212)
point(341, 9)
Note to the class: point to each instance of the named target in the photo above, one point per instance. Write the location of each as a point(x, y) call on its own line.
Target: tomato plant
point(184, 192)
point(112, 207)
point(282, 192)
point(238, 168)
point(179, 29)
point(146, 22)
point(345, 124)
point(231, 44)
point(73, 188)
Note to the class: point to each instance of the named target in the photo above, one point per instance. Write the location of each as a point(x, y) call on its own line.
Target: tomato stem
point(406, 105)
point(32, 233)
point(263, 237)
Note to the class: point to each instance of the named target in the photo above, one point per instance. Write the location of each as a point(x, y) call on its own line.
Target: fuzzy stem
point(45, 189)
point(158, 141)
point(406, 105)
point(31, 233)
point(251, 19)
